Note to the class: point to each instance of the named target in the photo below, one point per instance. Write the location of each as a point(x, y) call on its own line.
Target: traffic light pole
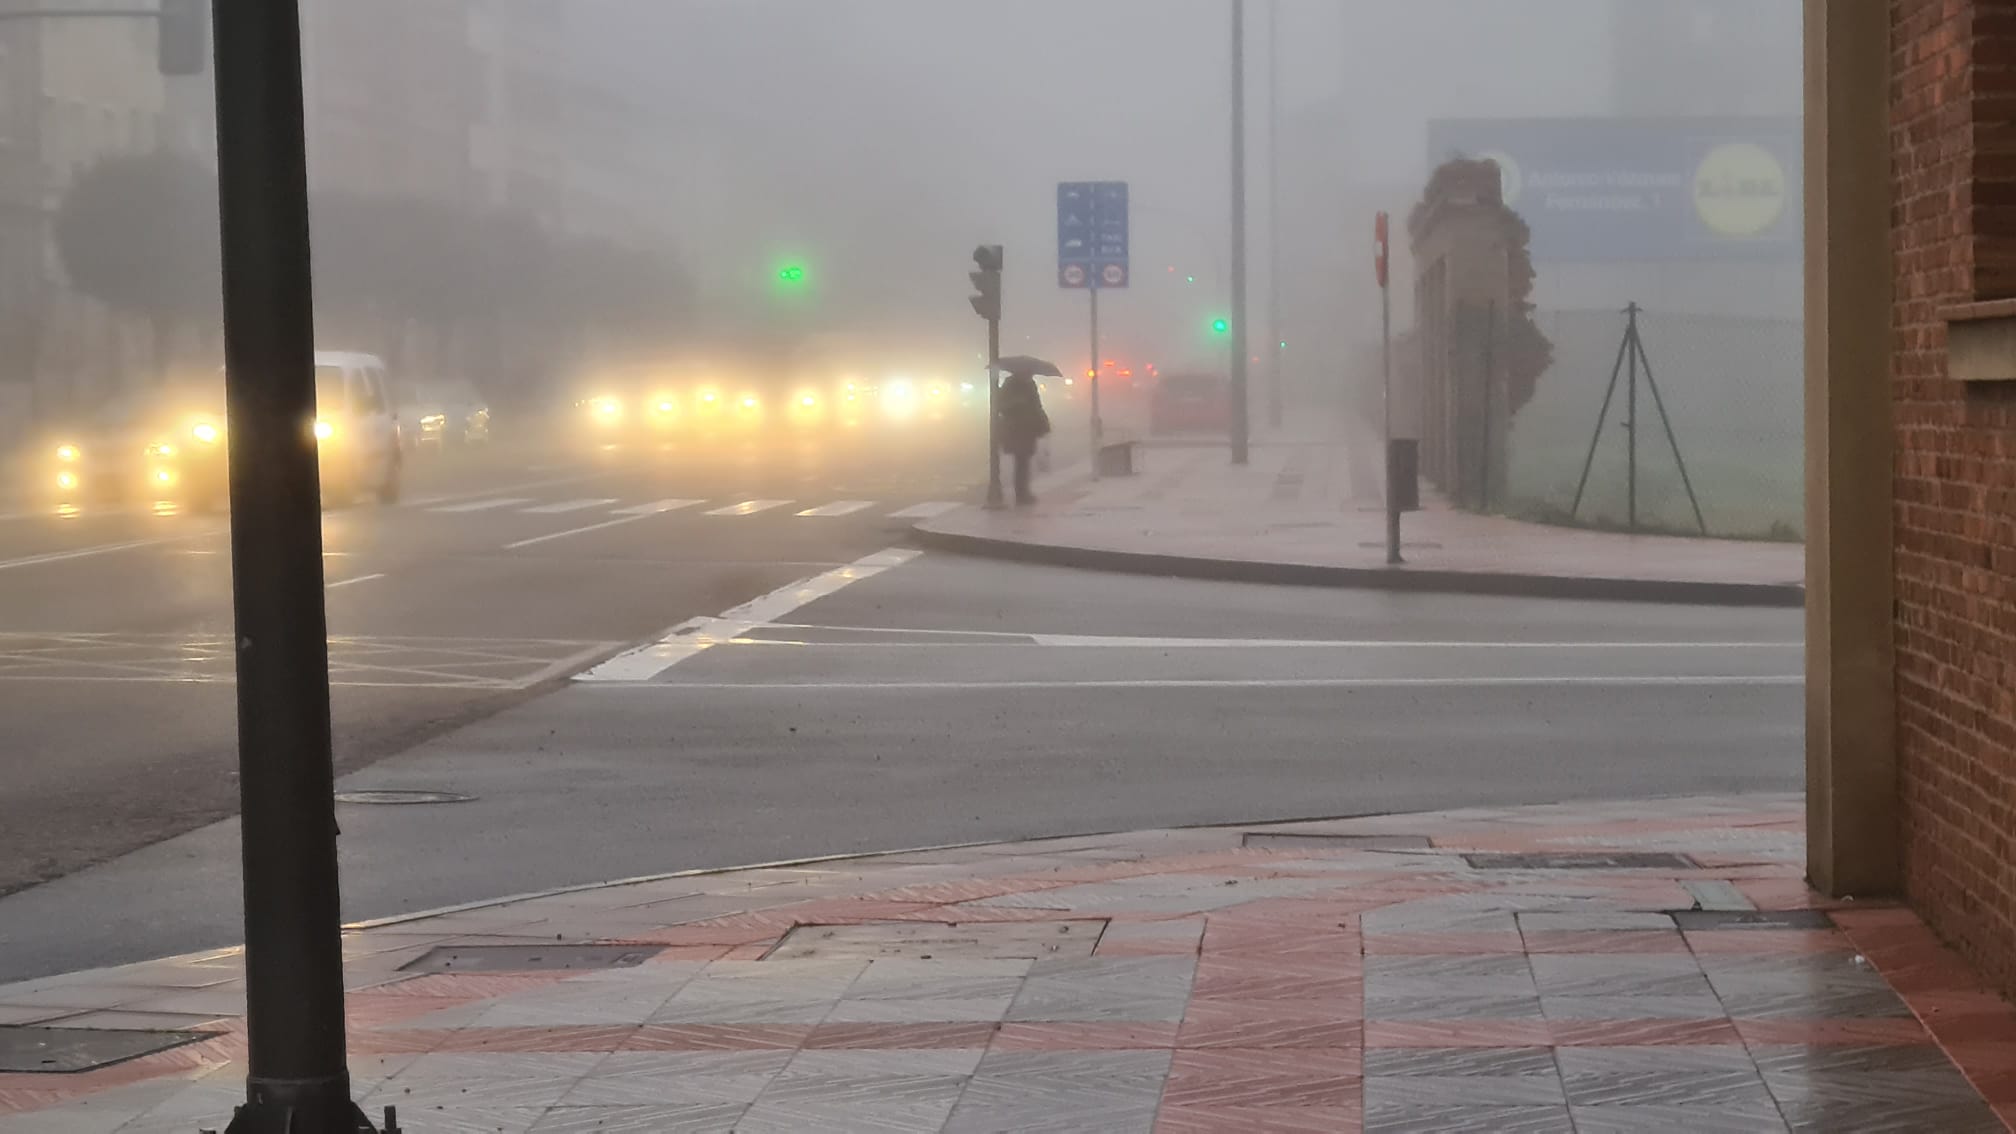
point(1098, 427)
point(994, 495)
point(1240, 425)
point(298, 1081)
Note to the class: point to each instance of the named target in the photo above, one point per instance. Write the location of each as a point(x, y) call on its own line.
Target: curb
point(1405, 579)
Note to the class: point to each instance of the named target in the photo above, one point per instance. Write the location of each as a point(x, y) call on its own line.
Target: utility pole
point(298, 1080)
point(1240, 425)
point(1275, 349)
point(986, 301)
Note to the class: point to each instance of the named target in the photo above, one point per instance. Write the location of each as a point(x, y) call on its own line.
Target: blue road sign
point(1092, 246)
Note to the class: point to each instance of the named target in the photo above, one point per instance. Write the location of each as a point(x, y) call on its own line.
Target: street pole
point(298, 1082)
point(1386, 403)
point(1274, 348)
point(1093, 370)
point(1240, 425)
point(994, 494)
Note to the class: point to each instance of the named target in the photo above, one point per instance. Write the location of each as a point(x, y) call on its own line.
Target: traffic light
point(987, 282)
point(792, 273)
point(1220, 326)
point(183, 45)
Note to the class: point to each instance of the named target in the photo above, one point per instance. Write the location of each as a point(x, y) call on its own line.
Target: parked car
point(1190, 403)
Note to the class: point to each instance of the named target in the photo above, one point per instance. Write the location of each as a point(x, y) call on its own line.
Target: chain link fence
point(1732, 389)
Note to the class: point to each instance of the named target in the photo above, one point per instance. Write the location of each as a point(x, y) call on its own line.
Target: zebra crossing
point(725, 508)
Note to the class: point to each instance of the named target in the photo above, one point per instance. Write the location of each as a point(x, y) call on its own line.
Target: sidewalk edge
point(1427, 580)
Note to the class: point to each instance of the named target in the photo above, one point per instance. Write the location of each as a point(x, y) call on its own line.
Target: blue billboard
point(1597, 190)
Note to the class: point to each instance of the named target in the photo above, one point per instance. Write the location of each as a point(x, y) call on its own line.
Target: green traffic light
point(1220, 326)
point(792, 273)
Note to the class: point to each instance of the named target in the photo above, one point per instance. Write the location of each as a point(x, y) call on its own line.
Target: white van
point(356, 428)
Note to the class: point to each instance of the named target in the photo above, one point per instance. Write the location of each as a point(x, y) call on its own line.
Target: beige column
point(1852, 807)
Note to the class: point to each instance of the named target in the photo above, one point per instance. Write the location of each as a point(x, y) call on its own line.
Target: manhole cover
point(527, 958)
point(1300, 840)
point(67, 1050)
point(402, 797)
point(1751, 919)
point(938, 941)
point(1581, 860)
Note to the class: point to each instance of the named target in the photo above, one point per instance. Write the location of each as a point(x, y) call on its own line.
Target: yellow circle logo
point(1740, 190)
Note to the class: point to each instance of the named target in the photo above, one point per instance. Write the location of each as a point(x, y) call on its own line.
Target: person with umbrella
point(1021, 422)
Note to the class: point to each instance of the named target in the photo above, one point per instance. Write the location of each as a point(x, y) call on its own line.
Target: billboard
point(1598, 190)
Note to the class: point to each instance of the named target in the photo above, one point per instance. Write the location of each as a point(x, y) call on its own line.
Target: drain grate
point(1308, 840)
point(941, 941)
point(527, 958)
point(61, 1051)
point(401, 797)
point(1583, 860)
point(1751, 919)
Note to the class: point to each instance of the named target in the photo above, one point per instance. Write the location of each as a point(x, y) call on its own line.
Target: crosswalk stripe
point(748, 508)
point(924, 511)
point(655, 507)
point(839, 508)
point(483, 505)
point(570, 506)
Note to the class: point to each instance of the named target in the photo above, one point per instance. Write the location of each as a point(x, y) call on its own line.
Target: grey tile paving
point(697, 1118)
point(1594, 974)
point(1424, 1003)
point(1105, 988)
point(685, 1078)
point(1415, 1091)
point(1702, 1006)
point(1114, 1091)
point(1768, 1003)
point(1691, 1118)
point(1396, 1061)
point(1459, 1119)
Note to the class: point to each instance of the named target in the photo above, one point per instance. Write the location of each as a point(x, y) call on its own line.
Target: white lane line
point(839, 508)
point(98, 549)
point(748, 508)
point(1694, 681)
point(569, 506)
point(551, 536)
point(1084, 641)
point(925, 511)
point(490, 490)
point(656, 507)
point(483, 505)
point(698, 634)
point(353, 582)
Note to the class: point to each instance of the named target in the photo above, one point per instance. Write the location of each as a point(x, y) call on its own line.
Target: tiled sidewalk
point(1393, 973)
point(1291, 515)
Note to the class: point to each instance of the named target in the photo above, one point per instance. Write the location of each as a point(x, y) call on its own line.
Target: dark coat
point(1023, 422)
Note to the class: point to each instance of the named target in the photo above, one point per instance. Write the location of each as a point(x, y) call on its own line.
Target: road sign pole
point(1386, 398)
point(298, 1081)
point(995, 497)
point(1240, 425)
point(1098, 427)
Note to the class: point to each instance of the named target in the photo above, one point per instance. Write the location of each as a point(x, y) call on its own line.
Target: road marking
point(569, 506)
point(696, 635)
point(483, 505)
point(1696, 681)
point(551, 536)
point(657, 507)
point(839, 508)
point(99, 549)
point(748, 508)
point(925, 511)
point(354, 582)
point(521, 486)
point(1094, 641)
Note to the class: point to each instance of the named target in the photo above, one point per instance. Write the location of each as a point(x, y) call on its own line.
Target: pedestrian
point(1023, 423)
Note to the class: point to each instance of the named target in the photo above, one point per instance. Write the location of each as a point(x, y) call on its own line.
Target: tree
point(139, 233)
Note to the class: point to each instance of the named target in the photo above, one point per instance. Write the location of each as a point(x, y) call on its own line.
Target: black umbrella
point(1024, 364)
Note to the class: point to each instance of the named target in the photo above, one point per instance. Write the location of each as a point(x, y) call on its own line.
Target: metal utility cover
point(401, 797)
point(939, 941)
point(1299, 840)
point(528, 958)
point(1751, 919)
point(1583, 860)
point(58, 1051)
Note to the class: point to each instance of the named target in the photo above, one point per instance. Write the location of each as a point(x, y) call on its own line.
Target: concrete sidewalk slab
point(1650, 965)
point(1291, 516)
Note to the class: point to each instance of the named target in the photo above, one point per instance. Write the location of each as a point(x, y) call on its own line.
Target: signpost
point(1381, 265)
point(1092, 253)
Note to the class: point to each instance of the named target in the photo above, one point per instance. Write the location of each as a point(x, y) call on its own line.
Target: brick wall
point(1953, 131)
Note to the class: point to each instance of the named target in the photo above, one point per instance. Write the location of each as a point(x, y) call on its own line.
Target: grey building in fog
point(1695, 58)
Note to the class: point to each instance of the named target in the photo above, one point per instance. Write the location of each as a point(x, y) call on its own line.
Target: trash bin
point(1403, 474)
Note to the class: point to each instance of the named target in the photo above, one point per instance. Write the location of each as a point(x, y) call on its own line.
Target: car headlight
point(66, 479)
point(808, 400)
point(324, 431)
point(161, 449)
point(667, 405)
point(68, 453)
point(205, 432)
point(607, 409)
point(433, 420)
point(750, 401)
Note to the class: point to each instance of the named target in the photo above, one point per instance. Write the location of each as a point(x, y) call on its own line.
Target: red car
point(1191, 403)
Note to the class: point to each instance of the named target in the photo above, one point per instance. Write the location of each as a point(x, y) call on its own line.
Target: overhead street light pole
point(1274, 347)
point(1240, 424)
point(298, 1080)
